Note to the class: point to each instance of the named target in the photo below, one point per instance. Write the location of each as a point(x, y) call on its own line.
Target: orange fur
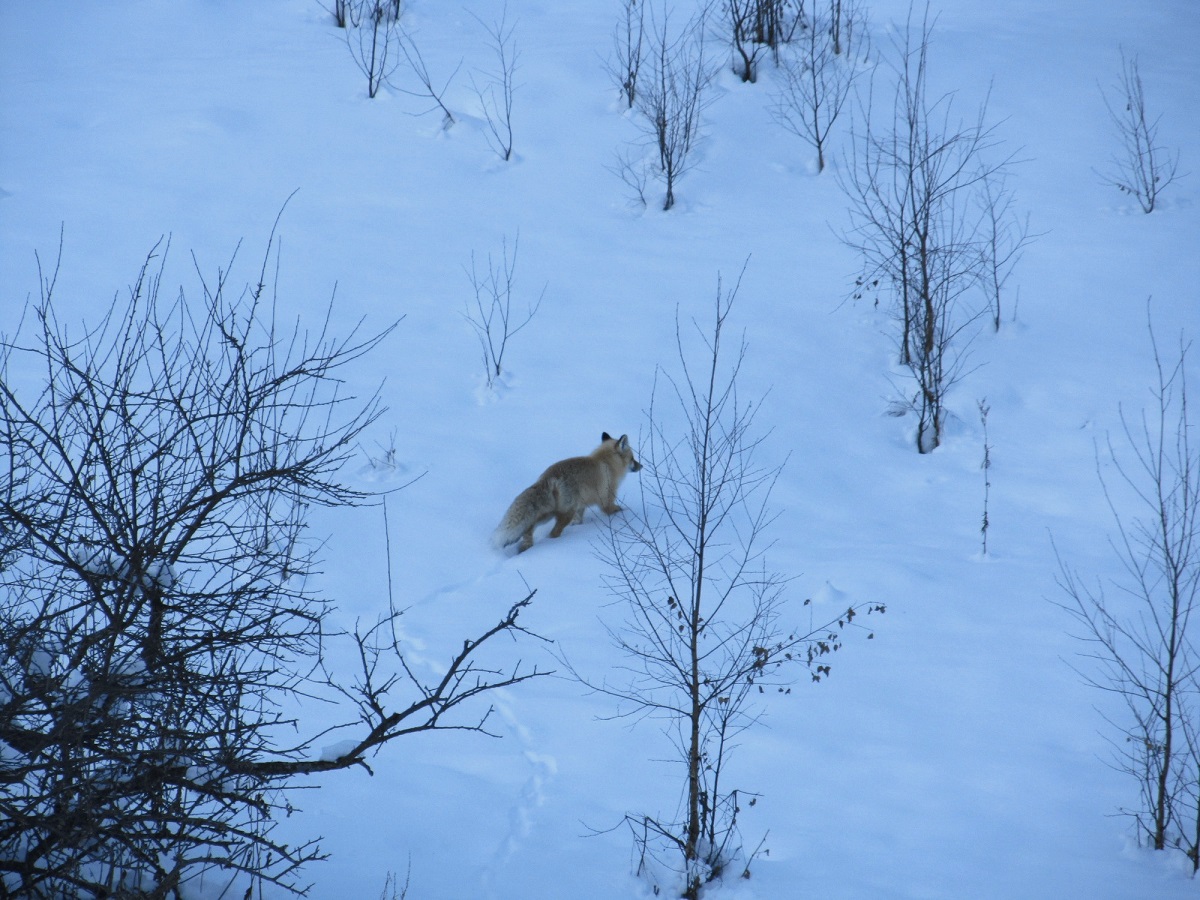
point(565, 490)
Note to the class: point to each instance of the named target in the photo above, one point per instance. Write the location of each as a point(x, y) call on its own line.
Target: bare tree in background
point(377, 41)
point(372, 40)
point(743, 17)
point(1005, 238)
point(919, 228)
point(835, 24)
point(759, 26)
point(676, 74)
point(343, 12)
point(490, 310)
point(704, 636)
point(496, 93)
point(816, 82)
point(158, 618)
point(416, 63)
point(1141, 167)
point(1142, 644)
point(629, 39)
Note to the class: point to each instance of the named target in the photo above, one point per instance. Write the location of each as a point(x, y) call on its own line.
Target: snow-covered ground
point(957, 754)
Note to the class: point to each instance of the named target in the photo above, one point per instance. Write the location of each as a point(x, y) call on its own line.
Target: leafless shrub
point(743, 16)
point(490, 310)
point(372, 42)
point(416, 63)
point(158, 619)
point(393, 889)
point(677, 74)
point(986, 467)
point(1142, 644)
point(343, 12)
point(1004, 238)
point(1141, 167)
point(632, 168)
point(913, 187)
point(759, 26)
point(816, 82)
point(703, 634)
point(838, 24)
point(496, 93)
point(629, 37)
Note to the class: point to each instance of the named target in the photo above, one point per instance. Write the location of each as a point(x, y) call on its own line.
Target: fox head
point(623, 449)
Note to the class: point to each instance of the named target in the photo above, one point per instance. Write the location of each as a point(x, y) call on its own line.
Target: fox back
point(566, 489)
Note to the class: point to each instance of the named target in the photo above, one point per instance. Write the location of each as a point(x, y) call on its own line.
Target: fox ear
point(605, 436)
point(623, 443)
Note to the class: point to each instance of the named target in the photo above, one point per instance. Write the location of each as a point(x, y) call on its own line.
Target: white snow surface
point(956, 755)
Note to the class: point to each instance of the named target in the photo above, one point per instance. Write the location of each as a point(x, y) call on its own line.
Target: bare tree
point(835, 25)
point(918, 227)
point(158, 618)
point(677, 74)
point(986, 467)
point(777, 21)
point(1188, 783)
point(1142, 645)
point(758, 26)
point(1005, 238)
point(743, 17)
point(393, 889)
point(816, 84)
point(629, 37)
point(372, 41)
point(416, 63)
point(496, 93)
point(490, 310)
point(633, 169)
point(343, 12)
point(703, 637)
point(1141, 167)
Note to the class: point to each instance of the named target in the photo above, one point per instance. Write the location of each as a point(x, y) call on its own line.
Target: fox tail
point(523, 513)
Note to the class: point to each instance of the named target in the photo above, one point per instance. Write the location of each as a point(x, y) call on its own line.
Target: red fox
point(565, 490)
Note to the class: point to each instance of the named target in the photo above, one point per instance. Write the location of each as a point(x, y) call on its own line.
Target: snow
point(957, 754)
point(337, 750)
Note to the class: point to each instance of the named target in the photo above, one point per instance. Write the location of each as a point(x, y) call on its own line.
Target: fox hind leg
point(562, 520)
point(526, 540)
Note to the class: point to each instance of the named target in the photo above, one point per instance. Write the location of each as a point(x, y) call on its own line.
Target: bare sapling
point(629, 39)
point(490, 309)
point(416, 63)
point(742, 17)
point(913, 185)
point(816, 83)
point(760, 26)
point(343, 12)
point(986, 467)
point(704, 630)
point(372, 41)
point(1004, 237)
point(495, 93)
point(677, 74)
point(1142, 645)
point(1141, 167)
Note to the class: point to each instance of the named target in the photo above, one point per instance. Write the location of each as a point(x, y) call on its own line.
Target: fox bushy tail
point(510, 529)
point(531, 505)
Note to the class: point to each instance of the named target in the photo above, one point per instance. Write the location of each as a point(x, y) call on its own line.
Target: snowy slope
point(955, 755)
